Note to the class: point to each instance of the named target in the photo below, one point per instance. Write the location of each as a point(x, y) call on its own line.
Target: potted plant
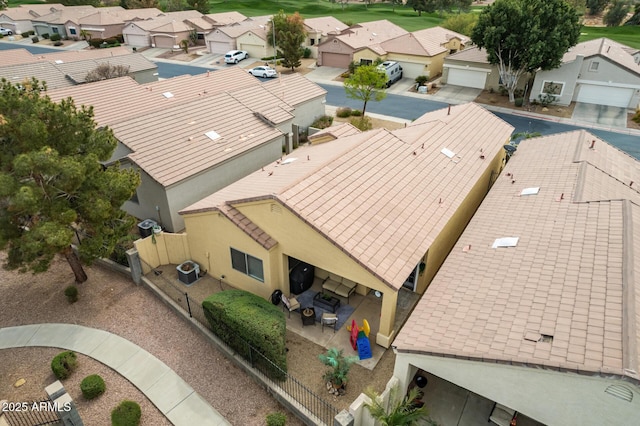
point(188, 272)
point(336, 376)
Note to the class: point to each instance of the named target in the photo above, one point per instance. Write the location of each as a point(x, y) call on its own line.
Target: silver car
point(235, 56)
point(5, 32)
point(263, 72)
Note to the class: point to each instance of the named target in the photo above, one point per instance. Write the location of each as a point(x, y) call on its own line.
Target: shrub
point(356, 113)
point(636, 116)
point(306, 53)
point(127, 413)
point(345, 74)
point(323, 122)
point(55, 37)
point(519, 102)
point(276, 419)
point(35, 39)
point(252, 326)
point(58, 43)
point(1, 36)
point(343, 112)
point(25, 34)
point(45, 36)
point(546, 99)
point(72, 293)
point(92, 386)
point(63, 364)
point(362, 123)
point(422, 80)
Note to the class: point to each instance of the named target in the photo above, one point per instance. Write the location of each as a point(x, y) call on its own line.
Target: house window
point(552, 88)
point(54, 29)
point(452, 51)
point(594, 66)
point(72, 31)
point(247, 264)
point(312, 41)
point(366, 62)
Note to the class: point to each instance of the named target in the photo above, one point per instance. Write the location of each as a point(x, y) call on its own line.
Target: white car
point(5, 32)
point(235, 56)
point(263, 72)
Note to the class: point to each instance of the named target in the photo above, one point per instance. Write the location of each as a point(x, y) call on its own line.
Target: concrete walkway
point(164, 388)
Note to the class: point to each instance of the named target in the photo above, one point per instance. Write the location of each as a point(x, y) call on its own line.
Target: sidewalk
point(164, 388)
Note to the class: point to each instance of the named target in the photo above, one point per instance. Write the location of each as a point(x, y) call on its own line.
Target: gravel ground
point(111, 302)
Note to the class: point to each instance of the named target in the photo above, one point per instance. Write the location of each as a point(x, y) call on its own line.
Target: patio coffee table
point(326, 302)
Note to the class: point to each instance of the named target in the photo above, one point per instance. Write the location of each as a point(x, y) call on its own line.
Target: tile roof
point(471, 54)
point(69, 13)
point(27, 12)
point(368, 34)
point(325, 24)
point(264, 104)
point(294, 89)
point(226, 18)
point(334, 132)
point(247, 226)
point(378, 196)
point(77, 70)
point(157, 22)
point(567, 295)
point(257, 25)
point(43, 71)
point(170, 144)
point(23, 56)
point(427, 42)
point(605, 47)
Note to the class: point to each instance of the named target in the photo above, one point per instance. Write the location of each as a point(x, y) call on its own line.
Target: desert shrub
point(127, 413)
point(25, 34)
point(306, 53)
point(345, 74)
point(636, 116)
point(72, 293)
point(92, 386)
point(356, 113)
point(352, 67)
point(362, 123)
point(519, 102)
point(422, 80)
point(276, 419)
point(58, 43)
point(55, 37)
point(35, 39)
point(546, 99)
point(63, 364)
point(252, 326)
point(323, 122)
point(503, 91)
point(45, 36)
point(343, 112)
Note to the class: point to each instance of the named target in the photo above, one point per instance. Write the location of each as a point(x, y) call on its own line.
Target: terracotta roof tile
point(583, 301)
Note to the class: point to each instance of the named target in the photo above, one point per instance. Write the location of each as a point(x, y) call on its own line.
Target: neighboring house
point(599, 71)
point(318, 29)
point(207, 23)
point(359, 43)
point(371, 208)
point(58, 21)
point(184, 154)
point(423, 52)
point(67, 68)
point(249, 35)
point(166, 30)
point(105, 23)
point(536, 307)
point(18, 19)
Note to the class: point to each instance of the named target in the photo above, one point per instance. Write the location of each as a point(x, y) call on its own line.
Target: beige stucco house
point(166, 30)
point(18, 19)
point(318, 29)
point(536, 306)
point(249, 35)
point(109, 22)
point(62, 21)
point(599, 71)
point(371, 208)
point(205, 24)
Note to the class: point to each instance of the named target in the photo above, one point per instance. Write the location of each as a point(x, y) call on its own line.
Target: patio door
point(412, 280)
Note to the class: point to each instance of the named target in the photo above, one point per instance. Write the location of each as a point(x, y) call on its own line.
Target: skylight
point(530, 191)
point(289, 161)
point(212, 135)
point(448, 153)
point(505, 242)
point(59, 61)
point(167, 95)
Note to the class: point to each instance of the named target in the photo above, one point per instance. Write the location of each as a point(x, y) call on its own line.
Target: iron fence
point(262, 366)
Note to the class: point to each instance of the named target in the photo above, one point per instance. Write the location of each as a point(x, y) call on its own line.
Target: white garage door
point(467, 78)
point(604, 95)
point(220, 47)
point(411, 70)
point(138, 40)
point(254, 50)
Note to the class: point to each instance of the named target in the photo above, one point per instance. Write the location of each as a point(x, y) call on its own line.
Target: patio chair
point(330, 320)
point(290, 303)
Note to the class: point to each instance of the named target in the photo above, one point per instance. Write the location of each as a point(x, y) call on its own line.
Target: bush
point(252, 326)
point(422, 80)
point(25, 34)
point(276, 419)
point(55, 37)
point(58, 43)
point(519, 102)
point(72, 293)
point(345, 74)
point(356, 113)
point(306, 53)
point(45, 36)
point(323, 122)
point(127, 413)
point(63, 364)
point(636, 116)
point(35, 39)
point(343, 112)
point(362, 123)
point(92, 386)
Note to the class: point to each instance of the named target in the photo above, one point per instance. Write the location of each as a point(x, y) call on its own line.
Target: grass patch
point(628, 35)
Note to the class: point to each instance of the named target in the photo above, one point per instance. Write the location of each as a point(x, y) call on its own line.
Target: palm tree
point(401, 412)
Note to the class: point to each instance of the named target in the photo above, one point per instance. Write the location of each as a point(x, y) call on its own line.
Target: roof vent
point(167, 95)
point(288, 161)
point(448, 153)
point(59, 61)
point(212, 135)
point(530, 191)
point(505, 242)
point(620, 391)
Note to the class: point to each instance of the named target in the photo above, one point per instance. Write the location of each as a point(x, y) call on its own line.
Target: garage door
point(220, 47)
point(138, 40)
point(254, 50)
point(412, 70)
point(604, 95)
point(337, 60)
point(467, 78)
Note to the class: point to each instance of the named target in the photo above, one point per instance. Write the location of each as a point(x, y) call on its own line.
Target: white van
point(393, 71)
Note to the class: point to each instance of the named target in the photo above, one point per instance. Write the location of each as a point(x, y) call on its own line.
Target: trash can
point(146, 227)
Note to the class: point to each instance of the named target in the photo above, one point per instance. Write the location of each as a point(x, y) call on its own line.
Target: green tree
point(596, 6)
point(289, 36)
point(616, 13)
point(201, 6)
point(523, 36)
point(53, 187)
point(420, 6)
point(140, 4)
point(401, 411)
point(365, 84)
point(3, 4)
point(462, 23)
point(635, 19)
point(394, 3)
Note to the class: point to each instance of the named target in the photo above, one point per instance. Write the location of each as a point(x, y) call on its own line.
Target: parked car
point(263, 71)
point(5, 32)
point(235, 56)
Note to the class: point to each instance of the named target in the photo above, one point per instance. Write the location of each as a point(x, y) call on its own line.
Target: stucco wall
point(256, 46)
point(162, 249)
point(150, 194)
point(307, 112)
point(367, 54)
point(567, 74)
point(334, 46)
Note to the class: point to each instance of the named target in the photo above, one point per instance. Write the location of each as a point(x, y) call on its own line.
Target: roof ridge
point(630, 360)
point(246, 225)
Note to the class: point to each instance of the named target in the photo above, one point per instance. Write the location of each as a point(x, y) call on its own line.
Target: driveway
point(455, 94)
point(602, 115)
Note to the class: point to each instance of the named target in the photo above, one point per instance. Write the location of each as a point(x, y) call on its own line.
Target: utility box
point(146, 227)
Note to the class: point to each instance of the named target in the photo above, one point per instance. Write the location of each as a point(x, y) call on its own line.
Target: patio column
point(387, 316)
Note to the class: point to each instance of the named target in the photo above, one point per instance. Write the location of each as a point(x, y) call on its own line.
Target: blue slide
point(364, 347)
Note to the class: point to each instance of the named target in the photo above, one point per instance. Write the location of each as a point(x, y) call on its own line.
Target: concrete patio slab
point(168, 392)
point(143, 370)
point(114, 351)
point(17, 337)
point(602, 115)
point(192, 412)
